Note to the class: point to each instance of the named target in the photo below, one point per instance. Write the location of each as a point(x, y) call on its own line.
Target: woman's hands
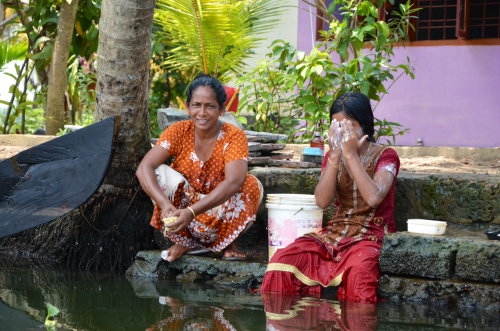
point(349, 140)
point(167, 208)
point(334, 138)
point(184, 217)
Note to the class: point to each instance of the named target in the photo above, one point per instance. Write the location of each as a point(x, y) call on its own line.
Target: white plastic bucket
point(291, 216)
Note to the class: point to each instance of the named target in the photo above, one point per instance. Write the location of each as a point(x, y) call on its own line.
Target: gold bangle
point(335, 166)
point(194, 215)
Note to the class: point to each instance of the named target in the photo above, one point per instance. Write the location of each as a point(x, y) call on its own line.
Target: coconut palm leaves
point(214, 36)
point(10, 52)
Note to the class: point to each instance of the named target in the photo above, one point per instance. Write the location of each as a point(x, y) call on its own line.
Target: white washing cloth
point(169, 181)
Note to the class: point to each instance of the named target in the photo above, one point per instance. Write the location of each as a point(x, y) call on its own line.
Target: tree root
point(75, 238)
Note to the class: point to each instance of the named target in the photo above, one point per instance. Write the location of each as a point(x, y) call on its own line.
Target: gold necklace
point(368, 151)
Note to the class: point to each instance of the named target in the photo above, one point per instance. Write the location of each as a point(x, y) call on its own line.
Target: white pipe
point(8, 20)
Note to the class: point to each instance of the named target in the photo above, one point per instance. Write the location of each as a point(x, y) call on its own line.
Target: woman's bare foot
point(233, 251)
point(176, 252)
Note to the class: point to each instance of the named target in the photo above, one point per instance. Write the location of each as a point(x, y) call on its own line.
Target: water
point(113, 302)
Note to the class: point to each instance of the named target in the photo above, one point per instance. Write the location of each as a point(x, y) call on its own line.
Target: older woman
point(360, 176)
point(207, 186)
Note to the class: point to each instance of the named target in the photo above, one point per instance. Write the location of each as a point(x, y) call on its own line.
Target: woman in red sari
point(360, 176)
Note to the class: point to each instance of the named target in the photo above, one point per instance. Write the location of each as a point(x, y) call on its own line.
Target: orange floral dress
point(211, 230)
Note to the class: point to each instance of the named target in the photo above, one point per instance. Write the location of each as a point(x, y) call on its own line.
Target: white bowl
point(436, 228)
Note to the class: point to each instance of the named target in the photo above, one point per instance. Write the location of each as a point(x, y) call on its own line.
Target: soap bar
point(169, 220)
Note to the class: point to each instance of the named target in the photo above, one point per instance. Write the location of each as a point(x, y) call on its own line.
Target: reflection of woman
point(188, 317)
point(207, 186)
point(360, 175)
point(295, 313)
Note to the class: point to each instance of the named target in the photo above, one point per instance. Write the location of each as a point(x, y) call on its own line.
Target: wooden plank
point(47, 181)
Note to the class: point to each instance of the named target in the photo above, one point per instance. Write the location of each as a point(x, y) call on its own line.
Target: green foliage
point(51, 312)
point(38, 28)
point(166, 84)
point(18, 99)
point(11, 52)
point(267, 94)
point(312, 82)
point(213, 36)
point(388, 130)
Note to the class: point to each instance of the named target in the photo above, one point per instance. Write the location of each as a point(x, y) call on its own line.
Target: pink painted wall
point(453, 101)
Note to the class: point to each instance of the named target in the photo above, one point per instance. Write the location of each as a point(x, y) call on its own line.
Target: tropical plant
point(166, 85)
point(267, 93)
point(11, 52)
point(39, 20)
point(51, 312)
point(355, 54)
point(214, 36)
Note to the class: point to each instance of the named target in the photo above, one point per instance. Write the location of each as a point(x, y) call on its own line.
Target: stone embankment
point(461, 268)
point(472, 201)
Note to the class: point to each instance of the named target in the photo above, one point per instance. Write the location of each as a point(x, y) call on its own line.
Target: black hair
point(213, 83)
point(356, 106)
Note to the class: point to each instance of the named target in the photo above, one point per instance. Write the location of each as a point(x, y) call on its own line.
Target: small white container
point(435, 228)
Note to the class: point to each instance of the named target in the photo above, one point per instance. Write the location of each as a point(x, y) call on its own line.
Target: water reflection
point(109, 302)
point(191, 317)
point(295, 313)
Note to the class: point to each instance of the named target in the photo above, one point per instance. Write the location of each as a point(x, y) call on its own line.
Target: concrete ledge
point(23, 140)
point(454, 153)
point(463, 254)
point(425, 256)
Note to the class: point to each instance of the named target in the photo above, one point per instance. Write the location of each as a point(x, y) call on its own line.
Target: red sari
point(346, 252)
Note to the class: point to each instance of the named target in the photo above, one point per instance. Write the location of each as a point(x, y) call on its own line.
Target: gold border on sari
point(300, 276)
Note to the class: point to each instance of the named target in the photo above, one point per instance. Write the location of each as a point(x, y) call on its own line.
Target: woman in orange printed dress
point(360, 175)
point(207, 186)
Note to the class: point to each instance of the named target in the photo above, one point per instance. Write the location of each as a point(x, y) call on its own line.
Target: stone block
point(404, 253)
point(251, 139)
point(190, 277)
point(254, 147)
point(258, 161)
point(478, 261)
point(272, 147)
point(281, 156)
point(149, 264)
point(215, 266)
point(169, 116)
point(440, 293)
point(294, 165)
point(266, 137)
point(465, 199)
point(244, 281)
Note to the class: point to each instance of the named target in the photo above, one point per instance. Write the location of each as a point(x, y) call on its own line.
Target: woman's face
point(357, 128)
point(204, 108)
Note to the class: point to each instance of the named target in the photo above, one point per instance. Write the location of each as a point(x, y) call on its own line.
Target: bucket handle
point(282, 223)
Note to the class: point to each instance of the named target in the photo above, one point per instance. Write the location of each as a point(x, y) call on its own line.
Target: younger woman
point(360, 176)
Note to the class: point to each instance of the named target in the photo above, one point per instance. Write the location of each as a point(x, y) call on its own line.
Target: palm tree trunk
point(58, 78)
point(123, 81)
